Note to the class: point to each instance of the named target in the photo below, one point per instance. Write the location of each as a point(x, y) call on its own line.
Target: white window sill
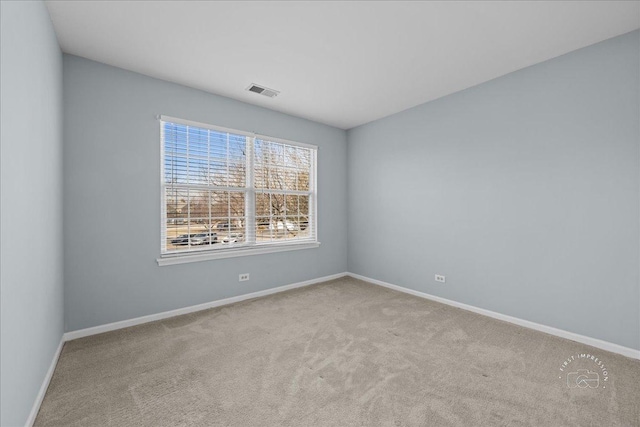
point(231, 253)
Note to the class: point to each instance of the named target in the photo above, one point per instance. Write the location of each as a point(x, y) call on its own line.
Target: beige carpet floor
point(340, 353)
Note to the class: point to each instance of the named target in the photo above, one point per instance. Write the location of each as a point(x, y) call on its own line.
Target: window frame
point(252, 247)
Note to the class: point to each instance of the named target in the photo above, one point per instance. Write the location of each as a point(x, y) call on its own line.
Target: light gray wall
point(31, 286)
point(523, 191)
point(112, 198)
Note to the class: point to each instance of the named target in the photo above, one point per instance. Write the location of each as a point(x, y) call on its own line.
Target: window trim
point(183, 258)
point(171, 258)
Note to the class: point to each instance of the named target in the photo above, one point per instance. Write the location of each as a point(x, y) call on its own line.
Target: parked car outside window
point(183, 239)
point(204, 239)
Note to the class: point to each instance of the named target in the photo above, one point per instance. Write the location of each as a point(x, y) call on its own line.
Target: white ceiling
point(339, 63)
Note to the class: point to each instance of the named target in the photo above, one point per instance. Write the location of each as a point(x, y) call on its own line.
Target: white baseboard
point(81, 333)
point(45, 385)
point(594, 342)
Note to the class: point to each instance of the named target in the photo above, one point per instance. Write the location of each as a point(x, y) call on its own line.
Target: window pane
point(218, 144)
point(219, 204)
point(237, 174)
point(235, 232)
point(278, 178)
point(175, 170)
point(303, 158)
point(198, 142)
point(303, 180)
point(176, 202)
point(263, 234)
point(304, 228)
point(218, 174)
point(303, 203)
point(291, 204)
point(198, 171)
point(275, 153)
point(259, 149)
point(263, 204)
point(236, 204)
point(198, 204)
point(173, 231)
point(277, 204)
point(261, 176)
point(237, 148)
point(292, 227)
point(290, 156)
point(289, 179)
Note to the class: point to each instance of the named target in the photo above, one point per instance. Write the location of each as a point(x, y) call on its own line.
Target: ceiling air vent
point(271, 93)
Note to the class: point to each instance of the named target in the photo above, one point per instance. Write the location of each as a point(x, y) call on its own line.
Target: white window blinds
point(228, 190)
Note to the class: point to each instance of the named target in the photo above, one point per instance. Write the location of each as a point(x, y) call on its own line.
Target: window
point(229, 193)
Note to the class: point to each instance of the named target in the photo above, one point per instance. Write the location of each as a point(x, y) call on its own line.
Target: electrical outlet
point(440, 278)
point(243, 277)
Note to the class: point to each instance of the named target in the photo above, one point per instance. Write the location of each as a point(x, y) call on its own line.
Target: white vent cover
point(271, 93)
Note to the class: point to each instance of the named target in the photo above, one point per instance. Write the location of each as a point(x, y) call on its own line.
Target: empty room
point(320, 213)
